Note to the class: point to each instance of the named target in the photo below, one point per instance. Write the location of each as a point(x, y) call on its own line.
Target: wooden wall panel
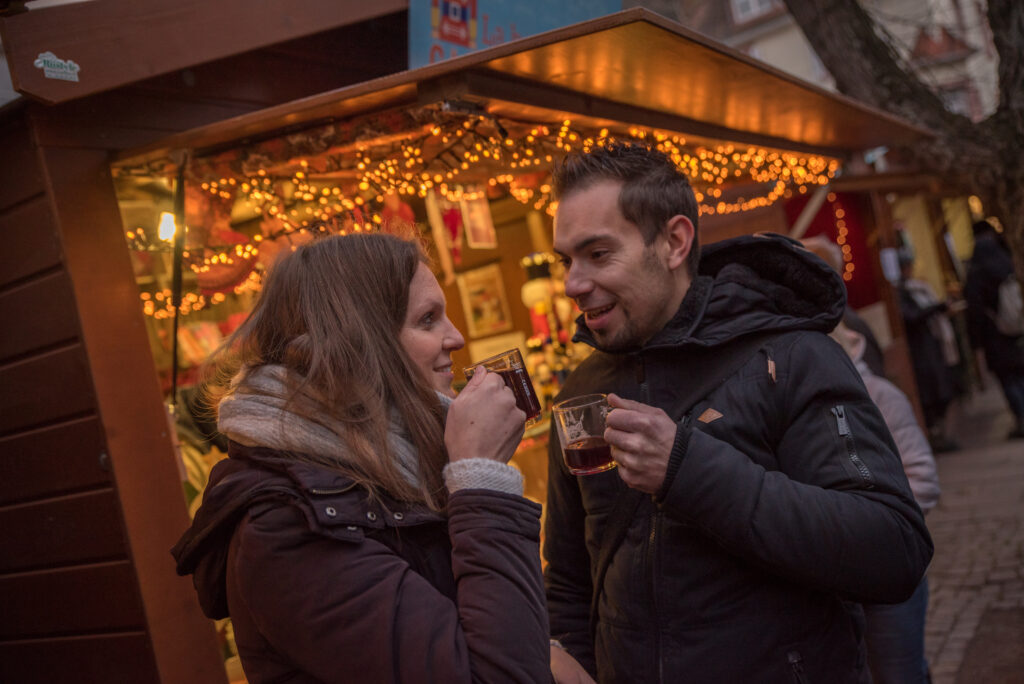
point(137, 108)
point(20, 173)
point(122, 658)
point(297, 68)
point(90, 599)
point(152, 109)
point(29, 239)
point(45, 389)
point(37, 315)
point(80, 528)
point(54, 460)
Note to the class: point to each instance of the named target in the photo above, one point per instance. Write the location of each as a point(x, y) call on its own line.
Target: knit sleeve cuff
point(482, 473)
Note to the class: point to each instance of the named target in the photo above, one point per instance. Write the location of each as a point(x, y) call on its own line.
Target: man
point(991, 264)
point(767, 509)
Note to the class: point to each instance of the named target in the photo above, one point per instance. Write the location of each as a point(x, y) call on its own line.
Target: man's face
point(624, 288)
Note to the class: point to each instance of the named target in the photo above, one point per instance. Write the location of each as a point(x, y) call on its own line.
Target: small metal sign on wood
point(55, 67)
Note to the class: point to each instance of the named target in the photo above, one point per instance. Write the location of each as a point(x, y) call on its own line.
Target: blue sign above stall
point(442, 29)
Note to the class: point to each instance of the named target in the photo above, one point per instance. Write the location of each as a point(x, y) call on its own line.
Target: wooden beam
point(888, 182)
point(127, 394)
point(117, 42)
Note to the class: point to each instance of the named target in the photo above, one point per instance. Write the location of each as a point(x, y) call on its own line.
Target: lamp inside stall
point(167, 228)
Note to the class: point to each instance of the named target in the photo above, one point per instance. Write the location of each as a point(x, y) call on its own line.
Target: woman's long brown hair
point(331, 313)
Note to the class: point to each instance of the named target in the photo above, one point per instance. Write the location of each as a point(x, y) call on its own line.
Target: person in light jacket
point(895, 633)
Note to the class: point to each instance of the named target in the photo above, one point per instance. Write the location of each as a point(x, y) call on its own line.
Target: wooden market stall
point(92, 497)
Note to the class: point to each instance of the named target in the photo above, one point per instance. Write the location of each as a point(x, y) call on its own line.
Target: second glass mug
point(580, 424)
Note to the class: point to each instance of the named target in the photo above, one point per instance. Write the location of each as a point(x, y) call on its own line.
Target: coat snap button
point(330, 511)
point(399, 515)
point(371, 515)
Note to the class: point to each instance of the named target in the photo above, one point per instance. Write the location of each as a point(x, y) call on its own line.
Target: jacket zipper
point(798, 670)
point(653, 537)
point(641, 379)
point(652, 565)
point(839, 411)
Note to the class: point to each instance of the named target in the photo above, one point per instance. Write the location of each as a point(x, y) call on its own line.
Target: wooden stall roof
point(633, 67)
point(118, 42)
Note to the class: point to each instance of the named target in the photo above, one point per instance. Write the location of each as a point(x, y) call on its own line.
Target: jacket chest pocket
point(740, 422)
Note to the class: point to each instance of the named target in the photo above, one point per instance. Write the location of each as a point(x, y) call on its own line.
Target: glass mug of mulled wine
point(509, 365)
point(580, 422)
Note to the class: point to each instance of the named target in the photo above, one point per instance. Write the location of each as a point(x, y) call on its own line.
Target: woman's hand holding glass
point(483, 421)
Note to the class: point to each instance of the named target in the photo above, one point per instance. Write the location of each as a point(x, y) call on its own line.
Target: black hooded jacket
point(785, 500)
point(990, 265)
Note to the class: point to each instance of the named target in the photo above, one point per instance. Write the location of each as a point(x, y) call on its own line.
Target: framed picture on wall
point(482, 293)
point(476, 216)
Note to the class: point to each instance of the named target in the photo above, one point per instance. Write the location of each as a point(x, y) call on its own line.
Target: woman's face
point(427, 335)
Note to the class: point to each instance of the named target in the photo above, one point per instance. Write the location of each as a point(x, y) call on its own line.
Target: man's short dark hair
point(654, 189)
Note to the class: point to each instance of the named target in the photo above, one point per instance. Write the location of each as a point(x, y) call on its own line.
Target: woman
point(894, 633)
point(366, 526)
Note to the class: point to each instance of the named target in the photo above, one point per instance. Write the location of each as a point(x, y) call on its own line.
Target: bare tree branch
point(986, 158)
point(864, 66)
point(1006, 21)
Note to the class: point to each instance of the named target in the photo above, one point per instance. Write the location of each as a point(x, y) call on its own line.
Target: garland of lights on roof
point(335, 178)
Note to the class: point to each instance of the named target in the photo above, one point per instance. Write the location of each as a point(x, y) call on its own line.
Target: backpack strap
point(711, 368)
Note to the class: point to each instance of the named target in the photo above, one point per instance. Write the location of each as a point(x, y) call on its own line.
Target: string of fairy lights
point(463, 156)
point(842, 236)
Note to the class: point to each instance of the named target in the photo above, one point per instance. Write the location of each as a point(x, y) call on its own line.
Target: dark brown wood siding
point(65, 571)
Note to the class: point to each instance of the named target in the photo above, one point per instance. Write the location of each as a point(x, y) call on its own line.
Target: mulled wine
point(588, 455)
point(509, 365)
point(519, 382)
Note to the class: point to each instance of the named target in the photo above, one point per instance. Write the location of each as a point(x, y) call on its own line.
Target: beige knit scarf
point(256, 413)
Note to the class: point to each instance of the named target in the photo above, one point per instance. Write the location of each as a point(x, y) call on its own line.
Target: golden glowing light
point(457, 156)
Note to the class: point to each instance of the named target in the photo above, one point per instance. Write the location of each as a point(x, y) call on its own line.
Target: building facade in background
point(946, 42)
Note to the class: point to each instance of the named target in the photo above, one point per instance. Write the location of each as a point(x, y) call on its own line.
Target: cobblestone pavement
point(977, 574)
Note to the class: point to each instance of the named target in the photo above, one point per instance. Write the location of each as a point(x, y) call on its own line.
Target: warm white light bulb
point(167, 227)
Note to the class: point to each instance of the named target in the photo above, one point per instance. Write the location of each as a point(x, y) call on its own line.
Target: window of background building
point(747, 10)
point(957, 100)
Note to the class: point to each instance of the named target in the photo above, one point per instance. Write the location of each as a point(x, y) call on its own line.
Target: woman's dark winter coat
point(784, 502)
point(324, 585)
